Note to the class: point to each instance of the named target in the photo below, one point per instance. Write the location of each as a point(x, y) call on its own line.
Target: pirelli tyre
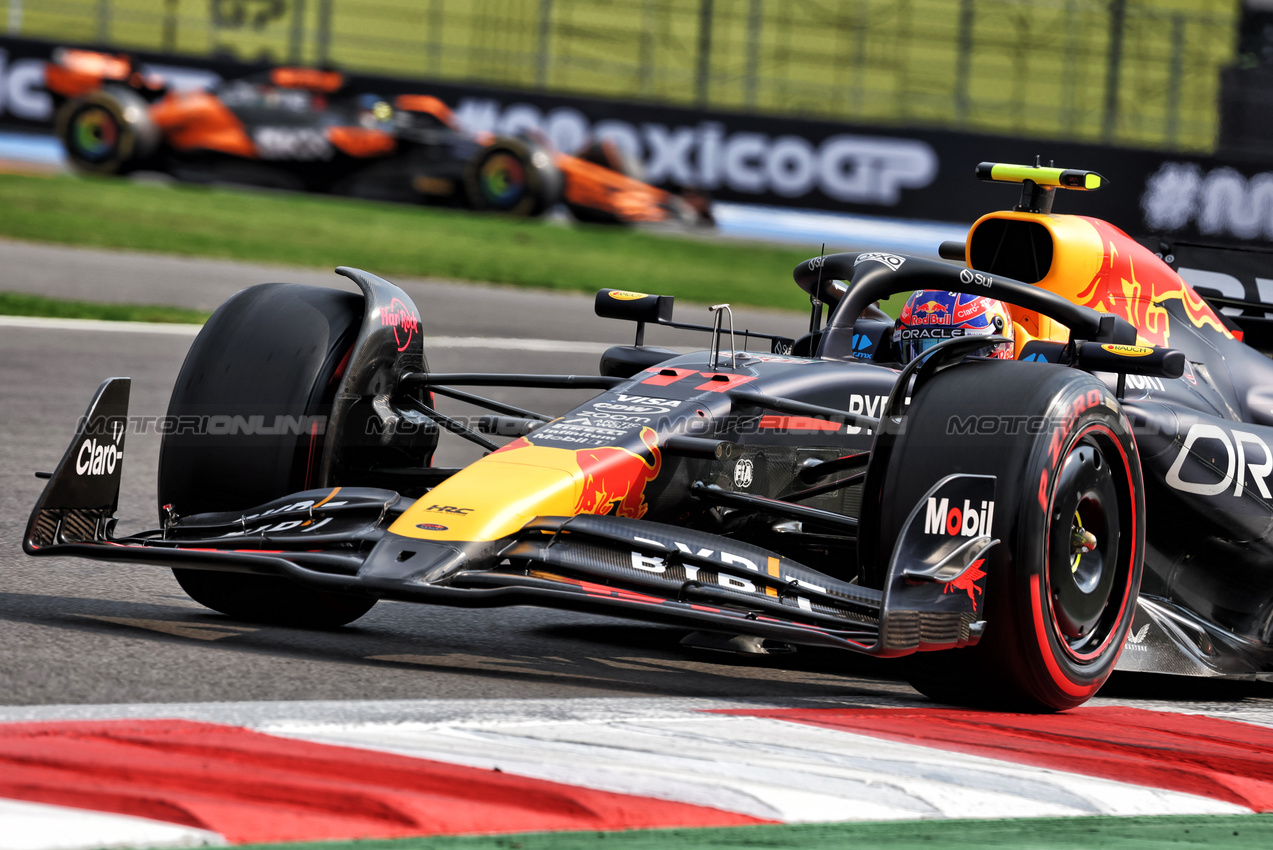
point(108, 131)
point(257, 380)
point(1069, 511)
point(513, 176)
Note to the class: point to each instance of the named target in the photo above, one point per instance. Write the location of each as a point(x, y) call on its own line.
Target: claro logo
point(969, 521)
point(97, 458)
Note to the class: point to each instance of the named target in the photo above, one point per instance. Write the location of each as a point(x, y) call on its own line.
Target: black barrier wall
point(890, 171)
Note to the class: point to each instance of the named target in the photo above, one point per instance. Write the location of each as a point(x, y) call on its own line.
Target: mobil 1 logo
point(967, 520)
point(959, 506)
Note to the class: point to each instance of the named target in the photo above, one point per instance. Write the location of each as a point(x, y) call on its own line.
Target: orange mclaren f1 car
point(303, 128)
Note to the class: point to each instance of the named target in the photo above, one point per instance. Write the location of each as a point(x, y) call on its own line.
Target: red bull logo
point(1132, 284)
point(613, 478)
point(930, 307)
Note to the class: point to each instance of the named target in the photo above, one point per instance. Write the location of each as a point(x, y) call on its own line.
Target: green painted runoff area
point(1232, 832)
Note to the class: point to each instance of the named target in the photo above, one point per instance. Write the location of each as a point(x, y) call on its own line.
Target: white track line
point(560, 346)
point(35, 826)
point(47, 324)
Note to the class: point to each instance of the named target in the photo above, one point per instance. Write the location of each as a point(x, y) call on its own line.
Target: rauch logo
point(941, 518)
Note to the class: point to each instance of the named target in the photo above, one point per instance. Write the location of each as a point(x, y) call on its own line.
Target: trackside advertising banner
point(784, 161)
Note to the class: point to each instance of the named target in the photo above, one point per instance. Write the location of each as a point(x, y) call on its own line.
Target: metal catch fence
point(1132, 72)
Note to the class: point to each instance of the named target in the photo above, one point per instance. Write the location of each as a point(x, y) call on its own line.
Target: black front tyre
point(1062, 584)
point(258, 376)
point(108, 131)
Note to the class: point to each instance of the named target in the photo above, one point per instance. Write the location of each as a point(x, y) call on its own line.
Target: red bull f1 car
point(1011, 530)
point(307, 129)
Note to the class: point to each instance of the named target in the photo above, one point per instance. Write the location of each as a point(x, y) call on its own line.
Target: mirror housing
point(633, 306)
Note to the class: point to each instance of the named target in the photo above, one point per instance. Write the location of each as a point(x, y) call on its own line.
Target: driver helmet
point(932, 316)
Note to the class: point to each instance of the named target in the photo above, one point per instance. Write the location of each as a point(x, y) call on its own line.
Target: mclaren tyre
point(108, 131)
point(513, 176)
point(249, 405)
point(1069, 514)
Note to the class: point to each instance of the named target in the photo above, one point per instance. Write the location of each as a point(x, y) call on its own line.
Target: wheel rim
point(94, 134)
point(1087, 575)
point(502, 180)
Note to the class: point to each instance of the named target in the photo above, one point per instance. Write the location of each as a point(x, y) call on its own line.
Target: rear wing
point(1236, 281)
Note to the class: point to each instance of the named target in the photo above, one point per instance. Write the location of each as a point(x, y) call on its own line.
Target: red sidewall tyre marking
point(1129, 560)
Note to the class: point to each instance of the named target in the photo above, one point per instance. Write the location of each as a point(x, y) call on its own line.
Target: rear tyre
point(108, 131)
point(269, 359)
point(1062, 584)
point(513, 176)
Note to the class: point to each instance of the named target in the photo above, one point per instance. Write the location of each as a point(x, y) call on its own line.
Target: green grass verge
point(391, 239)
point(1233, 832)
point(16, 304)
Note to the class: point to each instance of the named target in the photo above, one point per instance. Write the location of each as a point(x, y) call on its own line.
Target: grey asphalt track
point(74, 632)
point(451, 308)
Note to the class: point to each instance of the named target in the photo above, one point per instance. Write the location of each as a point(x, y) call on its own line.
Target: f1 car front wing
point(336, 539)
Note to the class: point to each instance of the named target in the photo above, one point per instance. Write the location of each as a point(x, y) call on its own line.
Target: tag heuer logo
point(891, 260)
point(743, 474)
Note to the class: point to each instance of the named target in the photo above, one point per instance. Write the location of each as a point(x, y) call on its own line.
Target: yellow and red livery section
point(503, 491)
point(1097, 265)
point(1135, 284)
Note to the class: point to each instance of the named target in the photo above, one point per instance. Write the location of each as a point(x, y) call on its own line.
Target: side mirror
point(633, 306)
